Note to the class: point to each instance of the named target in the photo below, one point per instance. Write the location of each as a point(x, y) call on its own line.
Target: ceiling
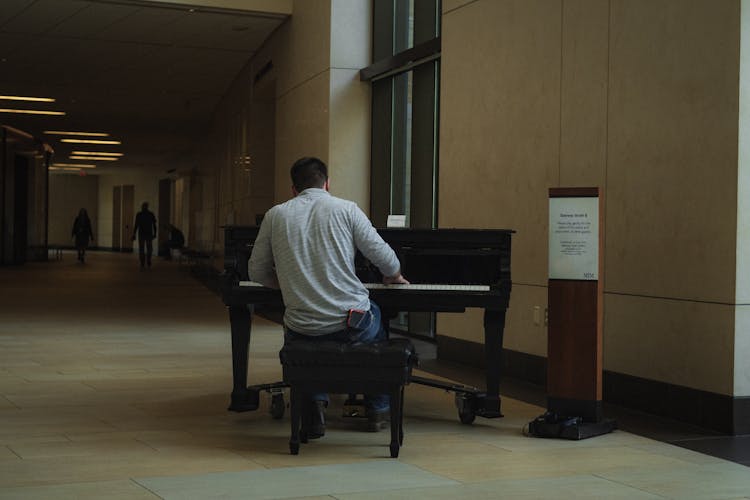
point(150, 73)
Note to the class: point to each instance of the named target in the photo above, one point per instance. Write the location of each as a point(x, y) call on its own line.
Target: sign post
point(575, 301)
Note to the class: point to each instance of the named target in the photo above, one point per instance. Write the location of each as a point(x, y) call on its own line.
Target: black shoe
point(377, 420)
point(317, 420)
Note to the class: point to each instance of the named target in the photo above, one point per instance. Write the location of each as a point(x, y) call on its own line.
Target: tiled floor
point(114, 383)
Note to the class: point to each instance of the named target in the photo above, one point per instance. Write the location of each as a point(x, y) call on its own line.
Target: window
point(405, 91)
point(405, 94)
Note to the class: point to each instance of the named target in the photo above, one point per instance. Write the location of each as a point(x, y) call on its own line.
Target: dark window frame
point(405, 79)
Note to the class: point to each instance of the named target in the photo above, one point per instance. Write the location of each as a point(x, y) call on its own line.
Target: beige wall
point(349, 121)
point(672, 190)
point(500, 143)
point(310, 103)
point(638, 97)
point(67, 195)
point(273, 116)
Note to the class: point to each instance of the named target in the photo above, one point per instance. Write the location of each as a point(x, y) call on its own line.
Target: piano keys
point(449, 270)
point(404, 287)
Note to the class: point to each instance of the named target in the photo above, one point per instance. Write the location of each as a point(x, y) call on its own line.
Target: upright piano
point(449, 270)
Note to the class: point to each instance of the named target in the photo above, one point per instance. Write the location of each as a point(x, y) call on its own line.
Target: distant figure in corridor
point(145, 226)
point(175, 241)
point(82, 233)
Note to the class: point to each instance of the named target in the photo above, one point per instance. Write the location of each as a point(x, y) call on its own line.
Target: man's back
point(145, 223)
point(312, 240)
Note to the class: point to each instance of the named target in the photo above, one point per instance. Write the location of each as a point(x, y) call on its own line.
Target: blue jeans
point(373, 332)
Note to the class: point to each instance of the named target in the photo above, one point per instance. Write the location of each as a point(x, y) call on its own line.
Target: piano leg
point(240, 318)
point(494, 327)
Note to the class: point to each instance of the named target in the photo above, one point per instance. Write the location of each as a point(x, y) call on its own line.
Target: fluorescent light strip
point(88, 141)
point(70, 169)
point(79, 165)
point(95, 153)
point(65, 132)
point(22, 98)
point(31, 112)
point(93, 158)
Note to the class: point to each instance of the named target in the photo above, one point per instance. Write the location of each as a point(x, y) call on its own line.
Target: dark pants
point(82, 242)
point(145, 250)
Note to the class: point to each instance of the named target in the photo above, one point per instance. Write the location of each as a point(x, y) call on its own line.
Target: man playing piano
point(306, 248)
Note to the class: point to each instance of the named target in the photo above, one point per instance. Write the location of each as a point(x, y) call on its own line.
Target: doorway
point(127, 218)
point(116, 218)
point(122, 215)
point(165, 204)
point(20, 209)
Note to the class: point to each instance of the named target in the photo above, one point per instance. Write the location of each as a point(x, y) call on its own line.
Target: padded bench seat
point(328, 366)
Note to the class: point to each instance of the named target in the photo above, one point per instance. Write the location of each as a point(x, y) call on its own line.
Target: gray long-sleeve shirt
point(308, 243)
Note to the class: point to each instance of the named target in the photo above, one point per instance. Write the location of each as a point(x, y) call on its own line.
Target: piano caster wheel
point(466, 404)
point(294, 448)
point(467, 417)
point(277, 406)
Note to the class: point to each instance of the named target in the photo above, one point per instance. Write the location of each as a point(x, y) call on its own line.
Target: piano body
point(449, 270)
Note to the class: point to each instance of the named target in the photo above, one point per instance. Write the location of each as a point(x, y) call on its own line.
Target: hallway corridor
point(114, 383)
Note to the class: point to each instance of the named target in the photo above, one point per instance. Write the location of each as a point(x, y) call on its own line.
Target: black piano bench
point(327, 366)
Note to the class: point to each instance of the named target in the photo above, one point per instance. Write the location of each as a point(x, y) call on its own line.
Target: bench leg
point(395, 422)
point(401, 419)
point(305, 417)
point(295, 408)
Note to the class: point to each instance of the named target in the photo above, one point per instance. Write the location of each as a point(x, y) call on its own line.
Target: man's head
point(309, 172)
point(144, 206)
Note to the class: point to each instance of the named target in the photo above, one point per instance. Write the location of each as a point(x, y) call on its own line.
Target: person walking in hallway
point(82, 233)
point(145, 226)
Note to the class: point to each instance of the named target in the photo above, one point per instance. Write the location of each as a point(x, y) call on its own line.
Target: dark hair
point(308, 172)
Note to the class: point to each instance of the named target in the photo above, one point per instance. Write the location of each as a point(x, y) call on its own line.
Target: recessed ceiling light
point(31, 112)
point(23, 98)
point(78, 165)
point(94, 158)
point(65, 132)
point(89, 141)
point(95, 153)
